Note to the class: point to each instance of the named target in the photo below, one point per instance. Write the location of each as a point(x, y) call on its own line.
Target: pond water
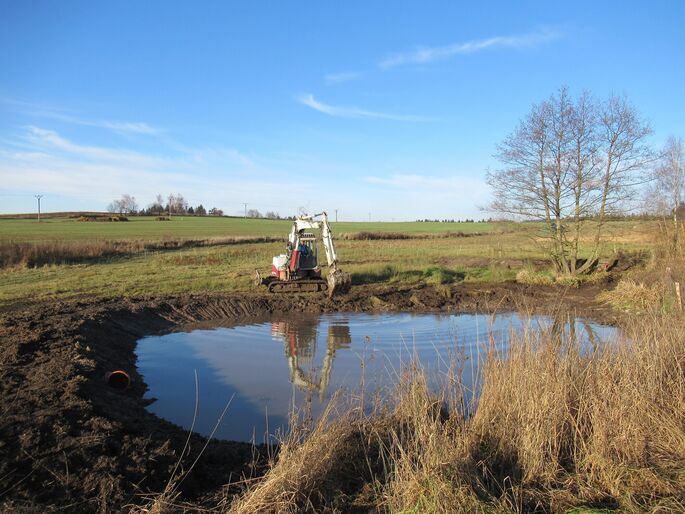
point(268, 365)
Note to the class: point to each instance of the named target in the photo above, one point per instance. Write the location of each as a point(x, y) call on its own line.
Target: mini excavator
point(297, 270)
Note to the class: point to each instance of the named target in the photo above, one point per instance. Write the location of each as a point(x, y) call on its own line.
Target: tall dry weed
point(559, 424)
point(313, 465)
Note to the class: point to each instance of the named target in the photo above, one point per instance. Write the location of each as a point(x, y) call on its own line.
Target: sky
point(381, 110)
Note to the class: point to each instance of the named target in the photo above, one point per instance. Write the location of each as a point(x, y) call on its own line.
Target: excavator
point(297, 270)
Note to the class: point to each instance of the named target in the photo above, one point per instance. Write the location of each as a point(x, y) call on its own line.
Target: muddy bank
point(70, 442)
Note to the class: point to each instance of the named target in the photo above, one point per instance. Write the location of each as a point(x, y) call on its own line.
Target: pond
point(266, 366)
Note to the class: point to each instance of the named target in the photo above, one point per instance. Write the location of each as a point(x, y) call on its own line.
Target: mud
point(69, 442)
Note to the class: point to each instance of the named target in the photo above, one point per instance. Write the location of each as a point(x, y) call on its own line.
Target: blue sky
point(388, 110)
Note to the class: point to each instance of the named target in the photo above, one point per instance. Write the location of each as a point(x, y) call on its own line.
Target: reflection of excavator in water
point(298, 269)
point(300, 350)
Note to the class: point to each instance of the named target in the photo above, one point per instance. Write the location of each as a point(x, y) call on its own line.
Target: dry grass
point(557, 427)
point(33, 255)
point(538, 278)
point(661, 285)
point(313, 468)
point(633, 296)
point(547, 278)
point(381, 236)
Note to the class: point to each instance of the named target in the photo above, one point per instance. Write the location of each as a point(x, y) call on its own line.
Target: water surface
point(266, 366)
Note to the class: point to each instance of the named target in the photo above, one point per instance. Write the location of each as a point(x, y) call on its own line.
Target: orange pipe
point(118, 379)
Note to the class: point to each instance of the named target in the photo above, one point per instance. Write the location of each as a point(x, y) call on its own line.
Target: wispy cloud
point(345, 76)
point(356, 112)
point(50, 140)
point(38, 159)
point(121, 127)
point(76, 175)
point(37, 110)
point(423, 55)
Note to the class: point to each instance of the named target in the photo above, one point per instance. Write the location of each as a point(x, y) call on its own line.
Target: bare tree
point(115, 206)
point(570, 160)
point(129, 204)
point(585, 166)
point(254, 213)
point(669, 184)
point(177, 204)
point(624, 155)
point(125, 205)
point(272, 215)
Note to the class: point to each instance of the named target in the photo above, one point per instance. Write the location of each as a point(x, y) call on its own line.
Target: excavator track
point(298, 286)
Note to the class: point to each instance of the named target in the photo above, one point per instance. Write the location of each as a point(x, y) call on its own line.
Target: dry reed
point(41, 254)
point(558, 425)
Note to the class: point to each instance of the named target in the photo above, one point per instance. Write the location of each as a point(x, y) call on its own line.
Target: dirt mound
point(69, 441)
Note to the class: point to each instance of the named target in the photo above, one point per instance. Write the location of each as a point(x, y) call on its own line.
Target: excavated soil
point(69, 442)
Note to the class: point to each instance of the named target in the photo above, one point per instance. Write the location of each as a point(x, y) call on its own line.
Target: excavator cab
point(307, 253)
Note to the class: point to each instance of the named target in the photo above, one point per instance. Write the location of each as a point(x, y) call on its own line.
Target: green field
point(190, 227)
point(496, 253)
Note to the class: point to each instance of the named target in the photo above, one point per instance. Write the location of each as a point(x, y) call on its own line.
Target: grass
point(86, 263)
point(189, 227)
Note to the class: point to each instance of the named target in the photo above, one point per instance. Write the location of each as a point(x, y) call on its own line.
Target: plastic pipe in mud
point(118, 379)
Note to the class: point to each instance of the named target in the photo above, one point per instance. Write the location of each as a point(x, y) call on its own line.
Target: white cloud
point(355, 112)
point(345, 76)
point(121, 126)
point(77, 176)
point(44, 161)
point(59, 114)
point(425, 55)
point(51, 140)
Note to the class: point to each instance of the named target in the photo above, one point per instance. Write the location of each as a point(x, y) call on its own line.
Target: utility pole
point(245, 205)
point(38, 197)
point(336, 215)
point(369, 217)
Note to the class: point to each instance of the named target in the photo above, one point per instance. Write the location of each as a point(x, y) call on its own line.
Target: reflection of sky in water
point(269, 364)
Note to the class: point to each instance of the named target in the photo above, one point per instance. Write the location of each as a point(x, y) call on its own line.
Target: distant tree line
point(467, 220)
point(270, 215)
point(175, 204)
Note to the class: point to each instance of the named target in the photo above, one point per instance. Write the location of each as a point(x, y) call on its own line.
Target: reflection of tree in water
point(565, 333)
point(300, 341)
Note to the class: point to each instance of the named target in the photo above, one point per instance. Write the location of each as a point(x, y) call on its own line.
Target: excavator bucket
point(339, 282)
